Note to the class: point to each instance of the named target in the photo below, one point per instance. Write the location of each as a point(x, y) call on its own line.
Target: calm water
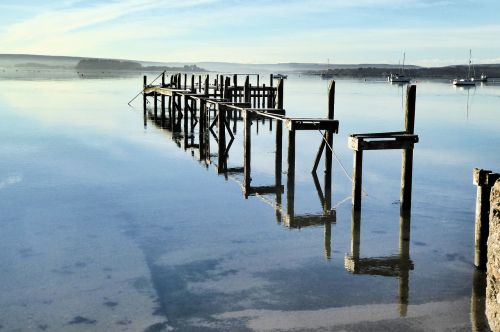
point(108, 225)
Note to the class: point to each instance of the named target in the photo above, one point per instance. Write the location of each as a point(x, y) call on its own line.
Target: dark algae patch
point(82, 320)
point(110, 304)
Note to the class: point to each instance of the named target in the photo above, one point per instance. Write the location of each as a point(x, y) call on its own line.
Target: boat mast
point(404, 55)
point(470, 57)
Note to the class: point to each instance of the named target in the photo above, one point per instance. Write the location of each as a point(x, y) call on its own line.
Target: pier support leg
point(144, 101)
point(290, 186)
point(357, 180)
point(407, 163)
point(247, 151)
point(278, 168)
point(222, 162)
point(484, 181)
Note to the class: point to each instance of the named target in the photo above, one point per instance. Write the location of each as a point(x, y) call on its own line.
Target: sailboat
point(327, 74)
point(469, 81)
point(399, 78)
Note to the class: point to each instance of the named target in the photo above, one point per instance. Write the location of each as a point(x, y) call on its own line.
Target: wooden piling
point(247, 118)
point(145, 79)
point(357, 179)
point(290, 192)
point(221, 124)
point(329, 137)
point(484, 180)
point(163, 97)
point(155, 103)
point(407, 158)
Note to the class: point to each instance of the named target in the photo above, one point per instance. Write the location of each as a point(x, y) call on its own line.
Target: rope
point(142, 91)
point(340, 162)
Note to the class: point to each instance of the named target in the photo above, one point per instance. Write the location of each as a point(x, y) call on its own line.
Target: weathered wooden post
point(484, 180)
point(145, 79)
point(192, 84)
point(235, 85)
point(247, 118)
point(246, 90)
point(329, 141)
point(279, 149)
point(357, 179)
point(290, 186)
point(199, 84)
point(407, 163)
point(185, 81)
point(221, 124)
point(207, 85)
point(163, 97)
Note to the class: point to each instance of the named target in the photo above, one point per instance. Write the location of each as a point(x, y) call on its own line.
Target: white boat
point(469, 81)
point(280, 76)
point(483, 78)
point(400, 77)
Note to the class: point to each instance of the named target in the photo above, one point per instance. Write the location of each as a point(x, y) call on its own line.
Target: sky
point(429, 32)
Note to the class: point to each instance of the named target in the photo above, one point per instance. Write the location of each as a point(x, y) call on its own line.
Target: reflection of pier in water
point(215, 111)
point(194, 113)
point(391, 266)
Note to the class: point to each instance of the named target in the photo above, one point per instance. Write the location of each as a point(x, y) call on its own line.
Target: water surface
point(108, 225)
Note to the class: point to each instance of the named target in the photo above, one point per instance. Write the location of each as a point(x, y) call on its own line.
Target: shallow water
point(108, 225)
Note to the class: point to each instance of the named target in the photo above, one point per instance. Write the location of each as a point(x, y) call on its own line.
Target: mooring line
point(340, 162)
point(141, 92)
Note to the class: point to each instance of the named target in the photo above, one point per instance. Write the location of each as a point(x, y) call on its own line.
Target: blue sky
point(431, 33)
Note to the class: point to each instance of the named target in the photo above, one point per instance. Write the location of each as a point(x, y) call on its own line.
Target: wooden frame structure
point(404, 140)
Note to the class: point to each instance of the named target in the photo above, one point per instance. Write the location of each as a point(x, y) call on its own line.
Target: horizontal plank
point(382, 266)
point(312, 124)
point(265, 190)
point(402, 141)
point(306, 220)
point(163, 91)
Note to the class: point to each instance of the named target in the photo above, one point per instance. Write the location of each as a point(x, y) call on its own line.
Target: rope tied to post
point(339, 161)
point(142, 91)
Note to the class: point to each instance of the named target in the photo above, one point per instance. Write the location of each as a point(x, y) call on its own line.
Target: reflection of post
point(407, 164)
point(357, 176)
point(155, 103)
point(290, 186)
point(247, 151)
point(202, 129)
point(355, 234)
point(477, 302)
point(404, 256)
point(328, 240)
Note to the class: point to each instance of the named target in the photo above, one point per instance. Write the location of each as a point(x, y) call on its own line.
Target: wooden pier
point(194, 109)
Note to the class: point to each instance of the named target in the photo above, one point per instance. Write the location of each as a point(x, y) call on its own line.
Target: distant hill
point(448, 72)
point(352, 70)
